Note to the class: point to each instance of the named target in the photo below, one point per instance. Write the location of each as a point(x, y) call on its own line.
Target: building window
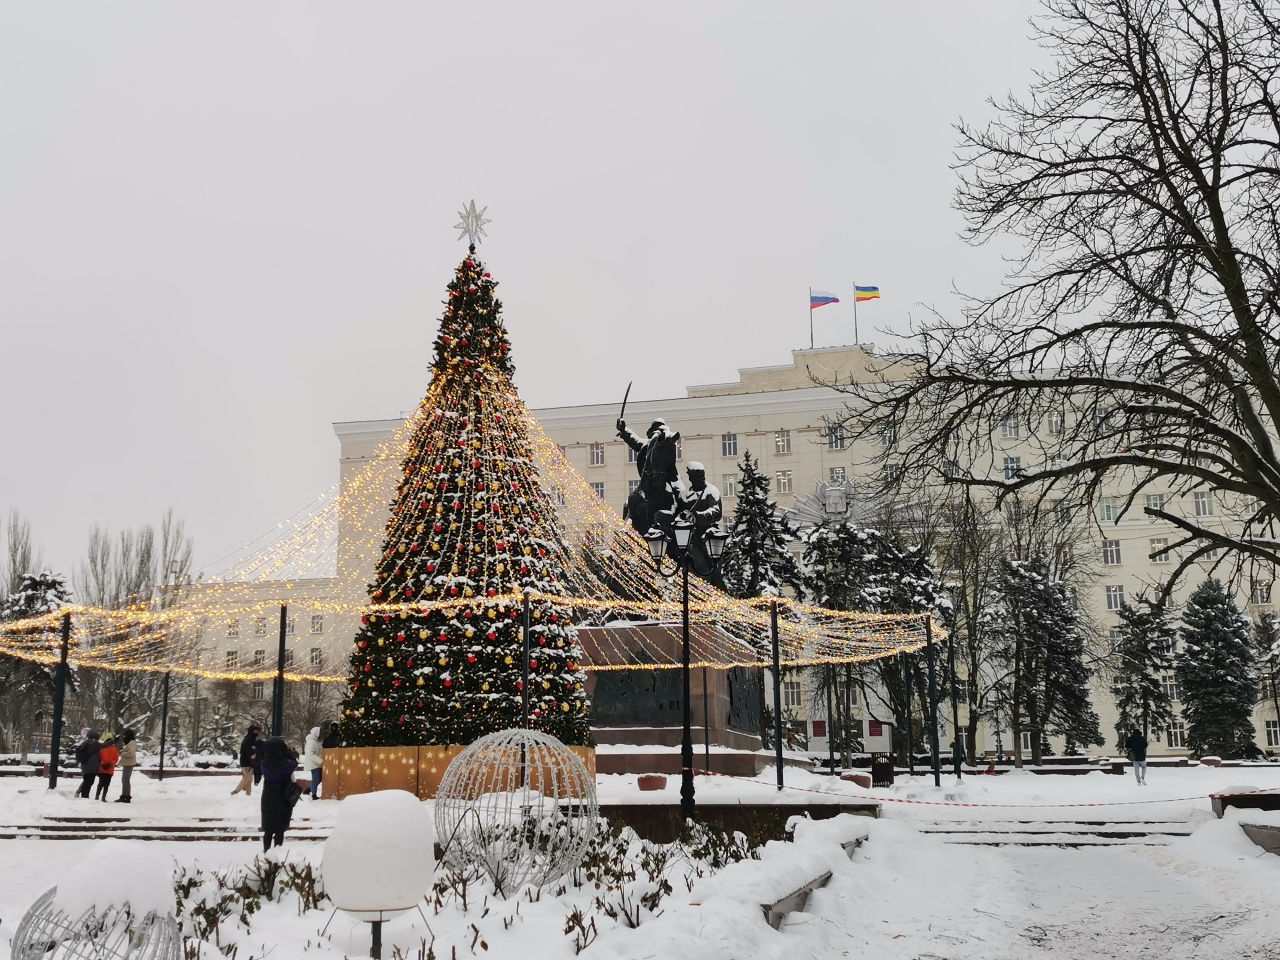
point(1111, 552)
point(729, 488)
point(632, 454)
point(560, 447)
point(1171, 688)
point(1026, 741)
point(835, 438)
point(782, 441)
point(632, 486)
point(835, 475)
point(317, 623)
point(950, 469)
point(1057, 420)
point(1259, 591)
point(231, 659)
point(783, 478)
point(313, 689)
point(1115, 596)
point(288, 659)
point(560, 497)
point(1062, 511)
point(1108, 510)
point(598, 489)
point(1272, 728)
point(290, 626)
point(892, 472)
point(791, 693)
point(1158, 548)
point(1115, 635)
point(1203, 500)
point(597, 455)
point(728, 444)
point(1176, 734)
point(1210, 554)
point(1063, 554)
point(962, 689)
point(260, 627)
point(1012, 467)
point(317, 657)
point(233, 628)
point(1009, 429)
point(258, 690)
point(259, 658)
point(1155, 501)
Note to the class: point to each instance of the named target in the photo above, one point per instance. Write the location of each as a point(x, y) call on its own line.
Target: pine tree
point(1216, 673)
point(850, 567)
point(1143, 656)
point(470, 528)
point(37, 593)
point(756, 560)
point(1042, 649)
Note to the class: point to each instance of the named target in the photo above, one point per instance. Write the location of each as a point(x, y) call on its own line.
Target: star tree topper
point(472, 222)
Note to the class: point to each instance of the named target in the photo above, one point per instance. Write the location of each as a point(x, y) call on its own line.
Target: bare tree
point(1138, 334)
point(20, 557)
point(133, 570)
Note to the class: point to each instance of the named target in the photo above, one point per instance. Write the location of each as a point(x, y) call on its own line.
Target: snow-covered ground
point(906, 894)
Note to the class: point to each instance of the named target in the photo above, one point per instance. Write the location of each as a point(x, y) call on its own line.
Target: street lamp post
point(677, 544)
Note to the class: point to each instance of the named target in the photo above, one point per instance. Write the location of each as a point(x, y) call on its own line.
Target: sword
point(622, 412)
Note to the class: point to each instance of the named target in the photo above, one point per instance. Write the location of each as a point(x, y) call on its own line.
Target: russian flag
point(820, 298)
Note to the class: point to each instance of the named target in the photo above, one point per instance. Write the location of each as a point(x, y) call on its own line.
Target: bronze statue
point(700, 502)
point(659, 479)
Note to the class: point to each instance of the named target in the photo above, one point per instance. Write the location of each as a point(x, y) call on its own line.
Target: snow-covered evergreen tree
point(1042, 649)
point(37, 593)
point(850, 567)
point(1217, 674)
point(1143, 656)
point(757, 561)
point(438, 657)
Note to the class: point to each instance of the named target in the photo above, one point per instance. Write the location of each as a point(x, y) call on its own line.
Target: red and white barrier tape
point(1005, 806)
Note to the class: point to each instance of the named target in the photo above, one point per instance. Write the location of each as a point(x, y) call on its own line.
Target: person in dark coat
point(331, 738)
point(279, 792)
point(249, 773)
point(257, 759)
point(87, 756)
point(1137, 747)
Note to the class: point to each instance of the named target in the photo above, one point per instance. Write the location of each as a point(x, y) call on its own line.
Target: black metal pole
point(524, 689)
point(777, 688)
point(59, 701)
point(957, 749)
point(375, 947)
point(164, 723)
point(906, 690)
point(686, 741)
point(277, 707)
point(933, 702)
point(831, 721)
point(706, 720)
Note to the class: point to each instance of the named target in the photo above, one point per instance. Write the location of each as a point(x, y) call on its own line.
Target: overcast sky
point(224, 226)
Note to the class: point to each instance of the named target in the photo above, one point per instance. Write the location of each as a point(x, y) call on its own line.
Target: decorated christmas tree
point(438, 659)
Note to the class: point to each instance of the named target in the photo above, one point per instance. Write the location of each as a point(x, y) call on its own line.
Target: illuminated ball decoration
point(518, 805)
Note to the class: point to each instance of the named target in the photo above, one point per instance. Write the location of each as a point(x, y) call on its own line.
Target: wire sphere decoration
point(46, 932)
point(518, 805)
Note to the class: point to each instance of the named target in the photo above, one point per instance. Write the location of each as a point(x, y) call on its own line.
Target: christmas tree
point(1216, 673)
point(438, 658)
point(757, 560)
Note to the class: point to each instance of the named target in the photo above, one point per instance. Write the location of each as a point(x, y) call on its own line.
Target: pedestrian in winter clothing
point(87, 756)
point(331, 738)
point(279, 791)
point(248, 762)
point(1137, 747)
point(128, 760)
point(313, 761)
point(257, 760)
point(108, 756)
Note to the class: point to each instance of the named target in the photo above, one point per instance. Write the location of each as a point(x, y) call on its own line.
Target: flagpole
point(811, 318)
point(856, 340)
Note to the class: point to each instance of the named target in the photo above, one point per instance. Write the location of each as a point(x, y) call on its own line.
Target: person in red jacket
point(108, 756)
